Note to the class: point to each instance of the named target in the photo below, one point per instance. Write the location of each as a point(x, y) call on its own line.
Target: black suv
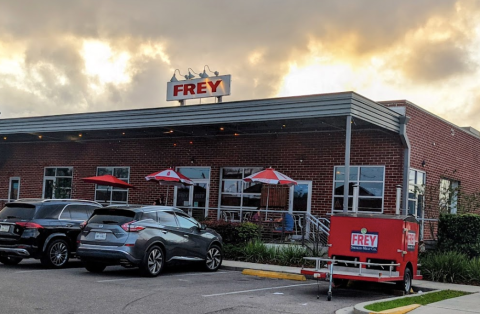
point(146, 237)
point(42, 229)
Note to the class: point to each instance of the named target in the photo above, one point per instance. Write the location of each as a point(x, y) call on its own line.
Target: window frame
point(220, 188)
point(452, 203)
point(195, 181)
point(54, 178)
point(357, 181)
point(110, 189)
point(10, 188)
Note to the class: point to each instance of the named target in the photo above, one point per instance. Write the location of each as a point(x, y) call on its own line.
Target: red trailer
point(377, 247)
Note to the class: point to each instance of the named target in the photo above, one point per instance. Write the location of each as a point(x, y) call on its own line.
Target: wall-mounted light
point(40, 137)
point(190, 75)
point(205, 75)
point(174, 78)
point(222, 129)
point(302, 159)
point(423, 163)
point(123, 133)
point(80, 134)
point(4, 138)
point(192, 160)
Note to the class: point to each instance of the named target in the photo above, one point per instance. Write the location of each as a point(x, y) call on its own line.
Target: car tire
point(10, 260)
point(94, 267)
point(56, 255)
point(214, 258)
point(153, 261)
point(406, 284)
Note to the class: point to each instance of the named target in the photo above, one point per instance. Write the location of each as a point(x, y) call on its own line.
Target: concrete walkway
point(466, 304)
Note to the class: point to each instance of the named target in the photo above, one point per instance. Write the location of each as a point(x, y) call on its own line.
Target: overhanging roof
point(264, 111)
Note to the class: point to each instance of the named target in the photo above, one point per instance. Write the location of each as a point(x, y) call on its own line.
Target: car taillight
point(83, 224)
point(129, 228)
point(29, 225)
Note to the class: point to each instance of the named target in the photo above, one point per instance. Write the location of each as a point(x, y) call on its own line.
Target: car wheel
point(56, 255)
point(214, 258)
point(94, 267)
point(153, 262)
point(406, 284)
point(10, 260)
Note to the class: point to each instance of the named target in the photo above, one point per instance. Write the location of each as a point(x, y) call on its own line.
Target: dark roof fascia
point(285, 108)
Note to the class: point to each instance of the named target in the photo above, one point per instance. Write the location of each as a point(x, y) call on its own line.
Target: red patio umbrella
point(169, 177)
point(108, 180)
point(270, 176)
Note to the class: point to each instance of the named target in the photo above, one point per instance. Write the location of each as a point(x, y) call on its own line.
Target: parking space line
point(261, 289)
point(31, 271)
point(196, 274)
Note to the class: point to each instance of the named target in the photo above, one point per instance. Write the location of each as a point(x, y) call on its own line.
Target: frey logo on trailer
point(363, 241)
point(214, 86)
point(411, 240)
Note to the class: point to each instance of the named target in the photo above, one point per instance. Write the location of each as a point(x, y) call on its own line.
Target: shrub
point(248, 232)
point(473, 271)
point(234, 232)
point(445, 267)
point(459, 233)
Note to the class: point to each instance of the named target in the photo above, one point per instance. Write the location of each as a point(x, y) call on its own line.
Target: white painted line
point(253, 290)
point(31, 271)
point(196, 274)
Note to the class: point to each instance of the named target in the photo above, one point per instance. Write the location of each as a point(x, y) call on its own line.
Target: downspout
point(406, 161)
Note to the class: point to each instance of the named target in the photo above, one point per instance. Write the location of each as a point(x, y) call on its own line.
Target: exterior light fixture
point(123, 133)
point(222, 129)
point(192, 160)
point(174, 78)
point(423, 163)
point(190, 75)
point(205, 75)
point(174, 144)
point(236, 134)
point(40, 137)
point(5, 138)
point(80, 135)
point(191, 142)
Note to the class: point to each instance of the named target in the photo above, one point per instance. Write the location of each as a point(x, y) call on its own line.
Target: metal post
point(182, 102)
point(398, 201)
point(348, 137)
point(355, 198)
point(219, 99)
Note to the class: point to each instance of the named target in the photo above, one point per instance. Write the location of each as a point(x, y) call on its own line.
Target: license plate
point(4, 228)
point(100, 236)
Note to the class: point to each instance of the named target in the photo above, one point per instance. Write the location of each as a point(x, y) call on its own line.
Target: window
point(110, 194)
point(371, 186)
point(167, 219)
point(234, 192)
point(14, 189)
point(150, 215)
point(448, 195)
point(194, 197)
point(57, 182)
point(186, 222)
point(416, 192)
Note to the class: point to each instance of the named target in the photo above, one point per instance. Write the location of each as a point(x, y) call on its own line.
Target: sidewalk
point(466, 304)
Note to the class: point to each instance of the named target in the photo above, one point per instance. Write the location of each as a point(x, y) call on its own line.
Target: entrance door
point(300, 201)
point(194, 199)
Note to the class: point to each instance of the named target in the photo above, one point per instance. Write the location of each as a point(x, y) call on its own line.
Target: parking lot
point(30, 288)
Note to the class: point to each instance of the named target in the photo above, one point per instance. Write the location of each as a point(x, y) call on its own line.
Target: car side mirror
point(203, 227)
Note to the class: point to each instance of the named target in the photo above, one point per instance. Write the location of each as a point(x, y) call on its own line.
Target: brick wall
point(320, 153)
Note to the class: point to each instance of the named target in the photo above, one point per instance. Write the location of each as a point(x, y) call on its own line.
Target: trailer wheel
point(406, 284)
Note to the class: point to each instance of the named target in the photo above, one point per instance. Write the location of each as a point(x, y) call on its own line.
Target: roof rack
point(43, 200)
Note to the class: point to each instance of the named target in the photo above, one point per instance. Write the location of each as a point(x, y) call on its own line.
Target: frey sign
point(364, 242)
point(214, 86)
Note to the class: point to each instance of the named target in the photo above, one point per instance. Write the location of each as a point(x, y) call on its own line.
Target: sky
point(59, 57)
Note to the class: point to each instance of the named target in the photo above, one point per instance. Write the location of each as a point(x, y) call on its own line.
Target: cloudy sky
point(60, 56)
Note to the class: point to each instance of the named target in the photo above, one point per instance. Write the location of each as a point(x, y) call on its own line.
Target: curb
point(360, 307)
point(273, 274)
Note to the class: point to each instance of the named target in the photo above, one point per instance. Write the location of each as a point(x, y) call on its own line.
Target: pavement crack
point(138, 299)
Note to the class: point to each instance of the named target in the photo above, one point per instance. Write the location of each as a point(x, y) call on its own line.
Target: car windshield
point(19, 211)
point(112, 216)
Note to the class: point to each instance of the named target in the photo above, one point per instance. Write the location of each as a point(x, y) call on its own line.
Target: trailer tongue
point(378, 248)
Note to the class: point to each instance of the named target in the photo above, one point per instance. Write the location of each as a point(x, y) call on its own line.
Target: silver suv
point(146, 237)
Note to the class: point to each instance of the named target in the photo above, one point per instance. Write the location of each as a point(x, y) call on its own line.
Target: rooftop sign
point(215, 86)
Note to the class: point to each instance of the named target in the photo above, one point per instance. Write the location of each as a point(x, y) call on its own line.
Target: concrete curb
point(273, 274)
point(360, 307)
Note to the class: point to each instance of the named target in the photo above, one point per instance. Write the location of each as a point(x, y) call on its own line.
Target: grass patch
point(422, 299)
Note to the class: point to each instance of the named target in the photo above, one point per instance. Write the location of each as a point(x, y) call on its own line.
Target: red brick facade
point(320, 152)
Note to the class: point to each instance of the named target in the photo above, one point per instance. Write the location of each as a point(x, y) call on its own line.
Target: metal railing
point(307, 230)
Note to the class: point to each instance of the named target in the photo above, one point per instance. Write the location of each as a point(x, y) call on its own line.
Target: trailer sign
point(411, 235)
point(364, 242)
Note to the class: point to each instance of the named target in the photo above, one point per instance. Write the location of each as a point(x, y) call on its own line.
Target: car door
point(173, 237)
point(196, 246)
point(71, 218)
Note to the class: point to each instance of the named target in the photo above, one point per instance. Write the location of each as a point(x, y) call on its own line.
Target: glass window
point(416, 192)
point(186, 221)
point(194, 198)
point(15, 211)
point(110, 194)
point(371, 188)
point(150, 215)
point(448, 195)
point(195, 173)
point(112, 215)
point(166, 219)
point(57, 182)
point(78, 212)
point(14, 189)
point(65, 214)
point(237, 193)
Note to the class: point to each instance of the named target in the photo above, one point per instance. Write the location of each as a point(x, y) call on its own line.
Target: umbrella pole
point(166, 199)
point(268, 196)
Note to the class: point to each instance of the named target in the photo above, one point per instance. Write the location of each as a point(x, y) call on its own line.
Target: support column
point(348, 137)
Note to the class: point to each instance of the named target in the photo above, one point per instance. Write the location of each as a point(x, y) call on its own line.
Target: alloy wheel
point(214, 258)
point(155, 261)
point(58, 253)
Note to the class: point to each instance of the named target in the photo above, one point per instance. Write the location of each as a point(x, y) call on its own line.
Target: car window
point(166, 219)
point(119, 216)
point(24, 211)
point(78, 212)
point(186, 221)
point(65, 213)
point(150, 215)
point(49, 211)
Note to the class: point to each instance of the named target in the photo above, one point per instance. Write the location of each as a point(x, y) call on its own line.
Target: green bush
point(449, 267)
point(234, 232)
point(459, 233)
point(473, 271)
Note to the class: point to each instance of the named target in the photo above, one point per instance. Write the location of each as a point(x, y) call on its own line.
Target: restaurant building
point(311, 139)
